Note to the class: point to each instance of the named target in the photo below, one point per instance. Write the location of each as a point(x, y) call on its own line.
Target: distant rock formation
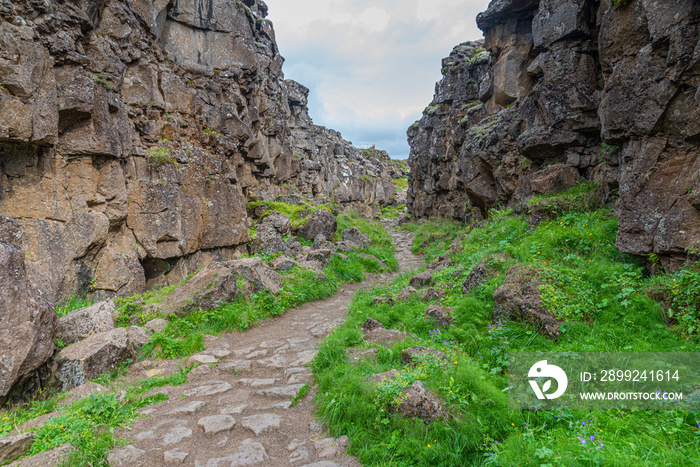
point(566, 90)
point(133, 132)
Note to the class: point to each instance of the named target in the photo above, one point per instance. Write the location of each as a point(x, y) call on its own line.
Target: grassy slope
point(600, 292)
point(89, 425)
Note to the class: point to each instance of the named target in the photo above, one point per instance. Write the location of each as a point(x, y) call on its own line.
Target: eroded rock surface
point(133, 132)
point(567, 90)
point(27, 322)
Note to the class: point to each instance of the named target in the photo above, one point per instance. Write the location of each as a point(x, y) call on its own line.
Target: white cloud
point(371, 65)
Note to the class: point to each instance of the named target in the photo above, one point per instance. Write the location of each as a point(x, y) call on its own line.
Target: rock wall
point(569, 90)
point(132, 133)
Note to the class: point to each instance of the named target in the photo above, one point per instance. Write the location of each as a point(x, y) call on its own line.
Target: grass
point(297, 212)
point(89, 424)
point(303, 391)
point(392, 212)
point(183, 336)
point(74, 303)
point(400, 183)
point(606, 299)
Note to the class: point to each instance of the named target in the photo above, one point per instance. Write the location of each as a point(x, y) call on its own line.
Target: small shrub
point(161, 155)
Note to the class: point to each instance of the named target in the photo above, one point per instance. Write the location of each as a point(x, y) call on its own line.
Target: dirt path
point(235, 409)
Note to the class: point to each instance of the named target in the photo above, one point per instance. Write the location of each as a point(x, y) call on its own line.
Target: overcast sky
point(371, 65)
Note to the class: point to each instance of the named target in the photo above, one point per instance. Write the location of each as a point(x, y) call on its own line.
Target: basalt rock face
point(567, 90)
point(332, 167)
point(132, 132)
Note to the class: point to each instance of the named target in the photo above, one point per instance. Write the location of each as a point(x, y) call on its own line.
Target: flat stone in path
point(191, 408)
point(249, 453)
point(175, 456)
point(209, 388)
point(282, 392)
point(234, 409)
point(126, 455)
point(261, 422)
point(216, 424)
point(168, 432)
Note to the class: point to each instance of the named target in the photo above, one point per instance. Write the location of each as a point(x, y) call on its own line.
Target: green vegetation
point(210, 132)
point(584, 197)
point(365, 178)
point(607, 150)
point(604, 296)
point(297, 212)
point(400, 183)
point(101, 79)
point(300, 395)
point(430, 110)
point(161, 155)
point(393, 211)
point(183, 336)
point(74, 303)
point(88, 424)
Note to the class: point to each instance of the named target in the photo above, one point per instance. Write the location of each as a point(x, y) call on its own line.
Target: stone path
point(235, 409)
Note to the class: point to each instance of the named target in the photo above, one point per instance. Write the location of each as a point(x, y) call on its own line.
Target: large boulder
point(280, 222)
point(442, 315)
point(321, 256)
point(418, 402)
point(321, 243)
point(92, 357)
point(282, 263)
point(259, 275)
point(269, 241)
point(27, 322)
point(423, 279)
point(12, 447)
point(84, 322)
point(209, 288)
point(518, 298)
point(318, 222)
point(374, 331)
point(479, 274)
point(354, 236)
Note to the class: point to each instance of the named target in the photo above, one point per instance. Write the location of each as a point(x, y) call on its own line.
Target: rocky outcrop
point(92, 357)
point(27, 322)
point(209, 288)
point(566, 90)
point(332, 167)
point(133, 132)
point(82, 323)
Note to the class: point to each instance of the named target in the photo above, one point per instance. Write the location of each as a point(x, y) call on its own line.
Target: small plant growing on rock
point(102, 80)
point(607, 150)
point(210, 132)
point(161, 155)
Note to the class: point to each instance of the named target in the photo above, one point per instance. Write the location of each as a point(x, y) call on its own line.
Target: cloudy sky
point(371, 65)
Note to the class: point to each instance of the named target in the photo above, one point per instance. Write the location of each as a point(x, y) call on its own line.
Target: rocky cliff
point(566, 90)
point(132, 133)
